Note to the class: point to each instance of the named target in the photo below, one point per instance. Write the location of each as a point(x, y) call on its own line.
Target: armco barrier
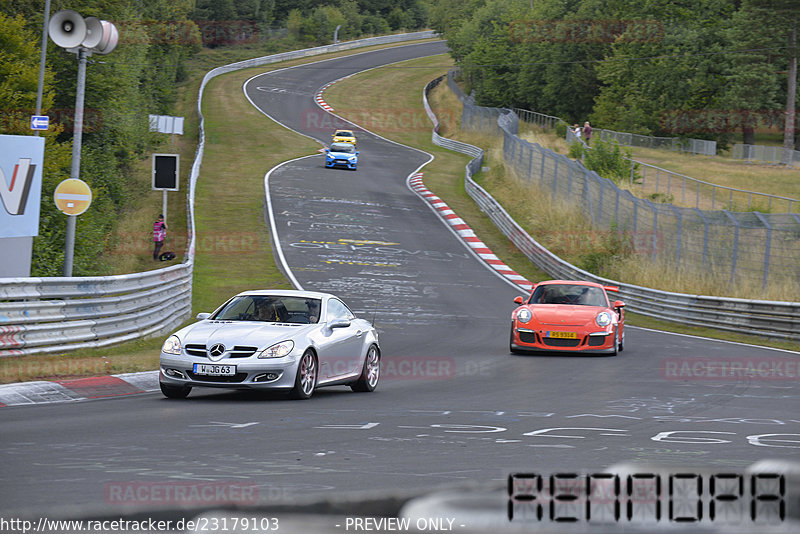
point(764, 318)
point(47, 315)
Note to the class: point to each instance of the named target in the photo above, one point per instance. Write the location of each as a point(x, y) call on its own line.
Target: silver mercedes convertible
point(294, 341)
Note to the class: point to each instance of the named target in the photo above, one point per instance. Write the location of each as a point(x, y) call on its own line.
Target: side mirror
point(338, 323)
point(619, 304)
point(356, 152)
point(203, 316)
point(517, 300)
point(327, 150)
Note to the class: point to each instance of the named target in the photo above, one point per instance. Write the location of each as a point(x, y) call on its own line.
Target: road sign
point(166, 124)
point(73, 196)
point(166, 169)
point(40, 122)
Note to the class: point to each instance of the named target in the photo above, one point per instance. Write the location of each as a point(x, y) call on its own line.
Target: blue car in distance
point(341, 155)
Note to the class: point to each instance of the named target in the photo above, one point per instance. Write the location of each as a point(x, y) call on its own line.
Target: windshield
point(344, 133)
point(343, 147)
point(569, 294)
point(270, 309)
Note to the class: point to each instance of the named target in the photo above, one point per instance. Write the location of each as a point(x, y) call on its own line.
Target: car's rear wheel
point(370, 373)
point(175, 392)
point(306, 379)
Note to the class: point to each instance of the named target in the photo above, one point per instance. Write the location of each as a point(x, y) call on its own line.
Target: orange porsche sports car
point(565, 315)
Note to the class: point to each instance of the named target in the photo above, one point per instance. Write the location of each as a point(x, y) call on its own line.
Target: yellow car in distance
point(344, 136)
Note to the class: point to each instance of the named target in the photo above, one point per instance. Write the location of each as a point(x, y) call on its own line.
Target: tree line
point(141, 77)
point(714, 69)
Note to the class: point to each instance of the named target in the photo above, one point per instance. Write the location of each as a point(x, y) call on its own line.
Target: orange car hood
point(564, 315)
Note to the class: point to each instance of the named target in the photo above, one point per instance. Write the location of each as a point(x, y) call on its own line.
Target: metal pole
point(75, 170)
point(40, 89)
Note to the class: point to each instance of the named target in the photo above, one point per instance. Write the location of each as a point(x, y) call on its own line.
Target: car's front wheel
point(616, 342)
point(511, 348)
point(370, 373)
point(175, 392)
point(306, 379)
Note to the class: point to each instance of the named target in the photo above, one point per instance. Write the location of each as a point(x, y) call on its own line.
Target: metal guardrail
point(765, 318)
point(47, 315)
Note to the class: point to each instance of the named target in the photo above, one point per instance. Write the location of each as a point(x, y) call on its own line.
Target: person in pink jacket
point(159, 235)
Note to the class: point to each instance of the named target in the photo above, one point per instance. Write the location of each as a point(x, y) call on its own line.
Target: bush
point(561, 129)
point(606, 159)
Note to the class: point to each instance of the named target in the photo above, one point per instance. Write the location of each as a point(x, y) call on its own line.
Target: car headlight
point(172, 345)
point(278, 350)
point(603, 319)
point(352, 159)
point(524, 315)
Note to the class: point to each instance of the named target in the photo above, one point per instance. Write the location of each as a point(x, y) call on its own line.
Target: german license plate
point(562, 335)
point(214, 370)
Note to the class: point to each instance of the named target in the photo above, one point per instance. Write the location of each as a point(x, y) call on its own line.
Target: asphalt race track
point(453, 405)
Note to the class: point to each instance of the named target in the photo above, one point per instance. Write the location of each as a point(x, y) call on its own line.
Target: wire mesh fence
point(738, 246)
point(765, 154)
point(693, 146)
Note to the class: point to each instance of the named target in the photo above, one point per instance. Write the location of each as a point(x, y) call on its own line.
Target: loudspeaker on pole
point(67, 28)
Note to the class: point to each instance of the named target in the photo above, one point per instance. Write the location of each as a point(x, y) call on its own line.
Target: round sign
point(73, 196)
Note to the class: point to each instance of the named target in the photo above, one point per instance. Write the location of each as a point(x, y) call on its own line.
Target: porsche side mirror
point(619, 304)
point(203, 316)
point(517, 300)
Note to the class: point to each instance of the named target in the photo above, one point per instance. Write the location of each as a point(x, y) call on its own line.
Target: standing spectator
point(159, 235)
point(576, 130)
point(587, 131)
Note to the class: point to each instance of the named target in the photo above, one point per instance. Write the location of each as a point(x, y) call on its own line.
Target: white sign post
point(162, 164)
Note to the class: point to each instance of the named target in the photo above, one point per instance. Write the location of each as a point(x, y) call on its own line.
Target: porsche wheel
point(511, 348)
point(306, 379)
point(175, 392)
point(616, 342)
point(370, 373)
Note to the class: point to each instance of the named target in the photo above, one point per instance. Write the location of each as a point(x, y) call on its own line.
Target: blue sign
point(21, 161)
point(40, 122)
